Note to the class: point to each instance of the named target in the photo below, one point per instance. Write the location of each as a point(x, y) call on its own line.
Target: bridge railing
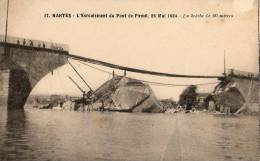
point(233, 72)
point(35, 43)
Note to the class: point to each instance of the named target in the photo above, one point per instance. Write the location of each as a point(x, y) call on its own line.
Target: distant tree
point(188, 97)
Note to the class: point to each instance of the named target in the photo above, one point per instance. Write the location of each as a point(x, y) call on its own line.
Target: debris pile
point(236, 95)
point(127, 95)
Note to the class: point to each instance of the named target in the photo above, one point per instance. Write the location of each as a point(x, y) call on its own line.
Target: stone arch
point(24, 67)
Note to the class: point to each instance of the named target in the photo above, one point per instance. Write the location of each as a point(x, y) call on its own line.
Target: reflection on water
point(73, 136)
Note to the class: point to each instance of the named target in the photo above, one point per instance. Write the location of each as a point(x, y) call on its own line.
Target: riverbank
point(68, 106)
point(59, 102)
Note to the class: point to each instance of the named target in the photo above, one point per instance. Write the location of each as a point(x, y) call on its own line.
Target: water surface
point(47, 135)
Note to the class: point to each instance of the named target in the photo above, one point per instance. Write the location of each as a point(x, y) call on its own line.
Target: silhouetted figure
point(84, 97)
point(18, 42)
point(61, 104)
point(103, 106)
point(43, 45)
point(31, 43)
point(24, 42)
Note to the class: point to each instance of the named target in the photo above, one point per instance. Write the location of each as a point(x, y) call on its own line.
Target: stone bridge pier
point(22, 66)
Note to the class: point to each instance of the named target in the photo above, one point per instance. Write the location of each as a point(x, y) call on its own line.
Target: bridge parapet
point(34, 43)
point(242, 74)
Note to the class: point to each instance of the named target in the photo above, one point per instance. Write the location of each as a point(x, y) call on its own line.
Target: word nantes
point(59, 15)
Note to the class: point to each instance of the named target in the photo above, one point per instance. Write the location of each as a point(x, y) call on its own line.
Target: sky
point(182, 46)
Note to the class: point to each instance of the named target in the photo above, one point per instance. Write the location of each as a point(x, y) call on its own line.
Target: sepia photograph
point(147, 80)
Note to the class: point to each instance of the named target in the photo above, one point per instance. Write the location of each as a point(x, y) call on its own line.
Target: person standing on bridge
point(24, 42)
point(31, 43)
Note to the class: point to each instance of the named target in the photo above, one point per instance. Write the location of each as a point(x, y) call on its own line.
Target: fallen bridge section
point(239, 91)
point(135, 70)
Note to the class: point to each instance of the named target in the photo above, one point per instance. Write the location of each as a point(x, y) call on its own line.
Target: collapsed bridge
point(25, 62)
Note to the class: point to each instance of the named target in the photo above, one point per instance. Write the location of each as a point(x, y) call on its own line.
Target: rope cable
point(80, 76)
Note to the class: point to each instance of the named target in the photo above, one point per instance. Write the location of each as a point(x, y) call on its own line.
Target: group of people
point(39, 45)
point(30, 43)
point(222, 109)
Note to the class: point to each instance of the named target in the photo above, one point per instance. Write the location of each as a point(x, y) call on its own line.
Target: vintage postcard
point(147, 80)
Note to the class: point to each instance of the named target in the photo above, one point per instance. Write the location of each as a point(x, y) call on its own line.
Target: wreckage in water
point(127, 95)
point(239, 91)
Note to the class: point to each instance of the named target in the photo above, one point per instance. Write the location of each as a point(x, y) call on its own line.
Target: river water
point(47, 135)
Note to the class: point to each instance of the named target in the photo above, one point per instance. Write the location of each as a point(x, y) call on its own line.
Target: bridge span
point(23, 63)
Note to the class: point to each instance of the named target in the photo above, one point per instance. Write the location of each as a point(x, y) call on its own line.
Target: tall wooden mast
point(6, 21)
